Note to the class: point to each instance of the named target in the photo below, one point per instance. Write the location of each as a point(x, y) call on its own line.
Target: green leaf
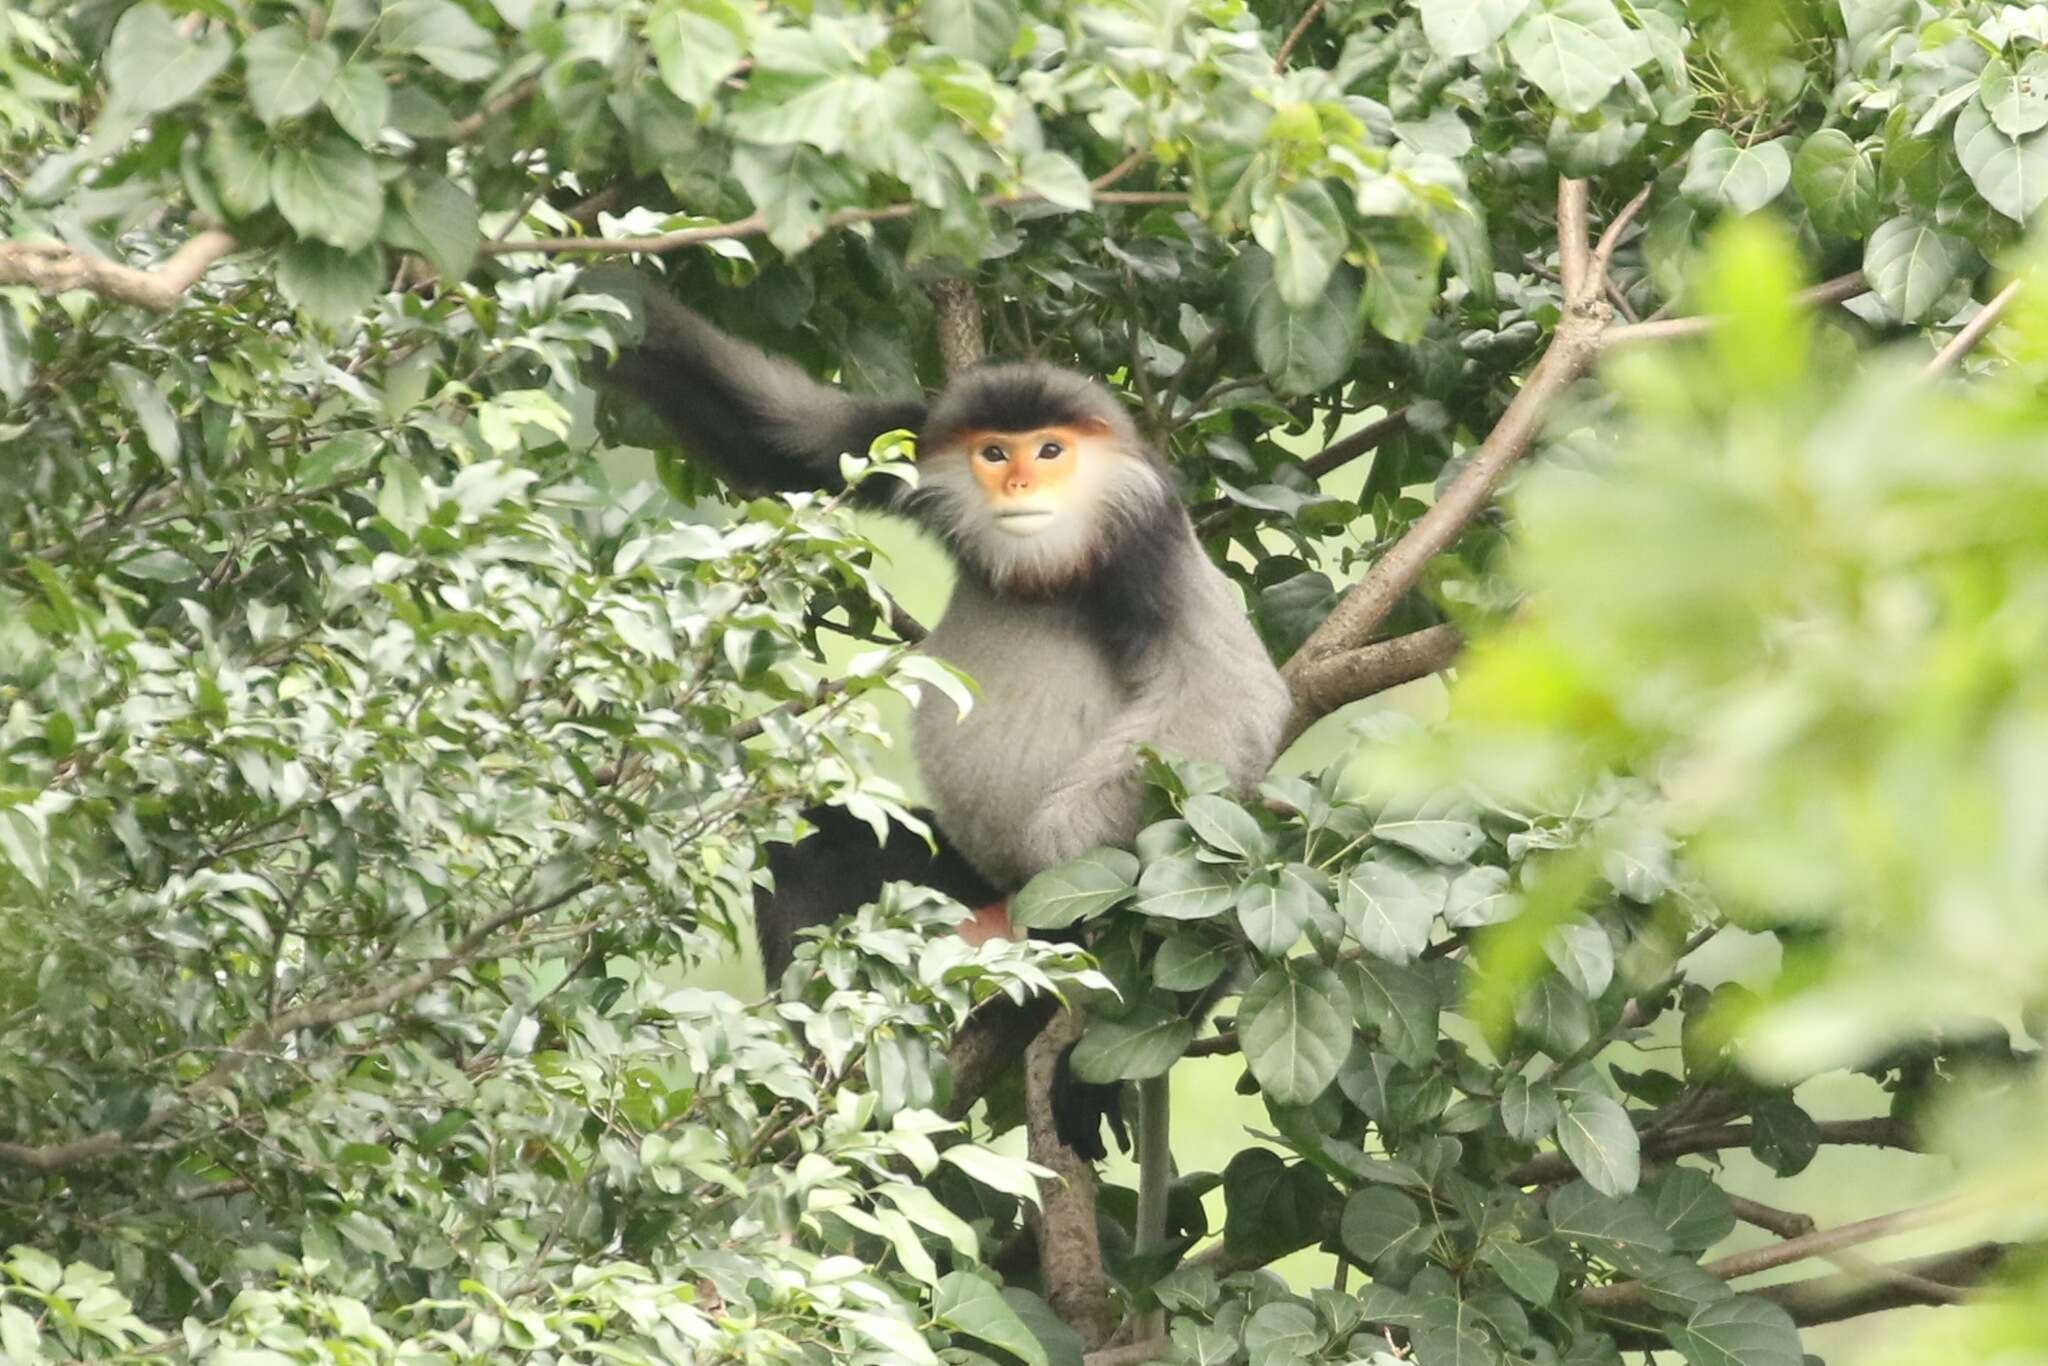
point(151, 409)
point(2016, 100)
point(1302, 351)
point(2011, 173)
point(1401, 1002)
point(150, 66)
point(1480, 896)
point(1623, 1230)
point(804, 89)
point(360, 102)
point(1188, 961)
point(1741, 1331)
point(287, 72)
point(1557, 1017)
point(329, 190)
point(1596, 1135)
point(1269, 1207)
point(1079, 889)
point(1910, 266)
point(441, 34)
point(1272, 912)
point(1528, 1108)
point(1055, 177)
point(1184, 888)
point(1785, 1138)
point(1575, 50)
point(1721, 175)
point(238, 159)
point(1280, 1332)
point(697, 44)
point(1225, 826)
point(436, 218)
point(1304, 234)
point(979, 30)
point(1442, 830)
point(1697, 1213)
point(328, 285)
point(1377, 1223)
point(1583, 956)
point(20, 1340)
point(1837, 182)
point(1525, 1271)
point(1403, 259)
point(1390, 903)
point(1143, 1044)
point(1295, 1026)
point(1461, 28)
point(968, 1304)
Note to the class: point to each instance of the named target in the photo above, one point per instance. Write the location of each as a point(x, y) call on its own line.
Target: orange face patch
point(1032, 465)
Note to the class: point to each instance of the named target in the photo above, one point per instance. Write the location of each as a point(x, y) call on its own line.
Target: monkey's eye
point(995, 455)
point(1049, 451)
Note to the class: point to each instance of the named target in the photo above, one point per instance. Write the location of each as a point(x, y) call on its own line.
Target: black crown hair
point(1018, 396)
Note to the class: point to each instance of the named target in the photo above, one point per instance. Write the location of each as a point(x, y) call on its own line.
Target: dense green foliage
point(380, 750)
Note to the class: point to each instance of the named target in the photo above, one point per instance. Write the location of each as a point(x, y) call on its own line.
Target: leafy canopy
point(387, 739)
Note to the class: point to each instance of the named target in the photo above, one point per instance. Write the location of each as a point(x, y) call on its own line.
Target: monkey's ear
point(1092, 426)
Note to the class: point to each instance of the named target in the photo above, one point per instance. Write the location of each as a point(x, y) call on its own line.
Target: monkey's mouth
point(1024, 521)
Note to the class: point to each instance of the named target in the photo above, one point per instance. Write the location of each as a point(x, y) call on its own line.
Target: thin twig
point(1783, 1222)
point(1603, 254)
point(1838, 290)
point(1294, 35)
point(1883, 1132)
point(756, 225)
point(54, 269)
point(514, 95)
point(1819, 1243)
point(1974, 331)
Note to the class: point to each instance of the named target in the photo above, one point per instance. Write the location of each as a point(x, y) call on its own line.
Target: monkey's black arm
point(764, 423)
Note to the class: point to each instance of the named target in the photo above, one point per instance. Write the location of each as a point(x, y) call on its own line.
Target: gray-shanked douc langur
point(1083, 608)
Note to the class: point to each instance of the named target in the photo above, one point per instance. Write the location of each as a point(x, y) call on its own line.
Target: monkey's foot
point(987, 922)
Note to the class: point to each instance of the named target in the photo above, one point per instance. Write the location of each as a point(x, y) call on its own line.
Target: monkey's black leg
point(838, 868)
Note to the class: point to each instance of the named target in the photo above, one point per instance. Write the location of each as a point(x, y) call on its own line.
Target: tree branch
point(261, 1034)
point(1974, 331)
point(1574, 255)
point(1783, 1222)
point(1816, 1244)
point(1069, 1251)
point(756, 225)
point(1883, 1132)
point(1838, 290)
point(959, 317)
point(1131, 1353)
point(1295, 35)
point(1547, 1167)
point(1887, 1285)
point(54, 268)
point(1603, 252)
point(513, 96)
point(1324, 685)
point(1572, 350)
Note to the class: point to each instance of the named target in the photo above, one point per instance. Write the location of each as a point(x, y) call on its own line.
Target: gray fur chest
point(1045, 698)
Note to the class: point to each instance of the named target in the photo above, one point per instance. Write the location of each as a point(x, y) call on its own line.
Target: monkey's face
point(1033, 507)
point(1027, 478)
